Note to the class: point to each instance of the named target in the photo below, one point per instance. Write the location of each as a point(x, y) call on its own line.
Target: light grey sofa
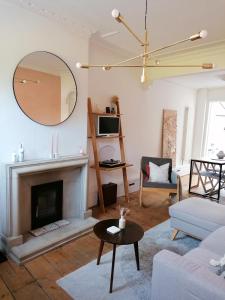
point(190, 277)
point(197, 217)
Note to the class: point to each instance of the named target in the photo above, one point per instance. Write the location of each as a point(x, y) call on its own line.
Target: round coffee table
point(131, 234)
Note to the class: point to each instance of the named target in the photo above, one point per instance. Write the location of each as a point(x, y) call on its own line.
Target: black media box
point(109, 193)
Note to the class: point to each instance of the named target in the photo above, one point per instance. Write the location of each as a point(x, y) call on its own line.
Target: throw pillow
point(159, 173)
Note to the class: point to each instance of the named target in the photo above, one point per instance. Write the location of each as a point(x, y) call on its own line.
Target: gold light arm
point(132, 32)
point(117, 16)
point(108, 67)
point(194, 37)
point(23, 80)
point(168, 46)
point(201, 35)
point(139, 56)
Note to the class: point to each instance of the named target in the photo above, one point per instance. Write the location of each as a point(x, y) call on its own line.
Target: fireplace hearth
point(46, 203)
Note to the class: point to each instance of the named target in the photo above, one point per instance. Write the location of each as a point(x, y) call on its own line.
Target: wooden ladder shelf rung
point(93, 137)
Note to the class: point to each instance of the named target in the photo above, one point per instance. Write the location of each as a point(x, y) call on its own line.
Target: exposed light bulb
point(203, 34)
point(78, 65)
point(115, 13)
point(143, 77)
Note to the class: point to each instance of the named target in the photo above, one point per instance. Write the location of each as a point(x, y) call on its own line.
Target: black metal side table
point(209, 177)
point(132, 234)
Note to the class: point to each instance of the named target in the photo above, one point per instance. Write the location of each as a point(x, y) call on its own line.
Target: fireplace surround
point(20, 177)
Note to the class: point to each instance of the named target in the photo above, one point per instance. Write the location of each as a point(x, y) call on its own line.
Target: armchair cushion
point(157, 161)
point(159, 185)
point(158, 173)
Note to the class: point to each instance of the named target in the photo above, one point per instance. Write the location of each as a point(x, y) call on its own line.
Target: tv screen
point(108, 125)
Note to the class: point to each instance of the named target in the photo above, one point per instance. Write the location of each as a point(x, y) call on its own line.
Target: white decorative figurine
point(122, 221)
point(220, 264)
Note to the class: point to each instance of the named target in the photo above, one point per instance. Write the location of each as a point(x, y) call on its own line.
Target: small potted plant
point(123, 213)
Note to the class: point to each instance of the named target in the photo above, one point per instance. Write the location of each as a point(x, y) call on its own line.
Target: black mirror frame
point(14, 74)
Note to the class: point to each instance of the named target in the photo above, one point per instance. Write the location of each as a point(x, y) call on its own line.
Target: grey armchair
point(145, 185)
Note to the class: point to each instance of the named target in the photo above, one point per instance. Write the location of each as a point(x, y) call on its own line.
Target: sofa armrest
point(176, 277)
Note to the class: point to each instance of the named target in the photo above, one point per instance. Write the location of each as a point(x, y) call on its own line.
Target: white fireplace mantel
point(14, 173)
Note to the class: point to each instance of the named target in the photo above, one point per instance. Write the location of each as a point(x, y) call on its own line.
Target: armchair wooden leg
point(140, 191)
point(174, 234)
point(140, 196)
point(179, 189)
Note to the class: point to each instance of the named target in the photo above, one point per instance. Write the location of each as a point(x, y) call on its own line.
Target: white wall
point(21, 33)
point(143, 108)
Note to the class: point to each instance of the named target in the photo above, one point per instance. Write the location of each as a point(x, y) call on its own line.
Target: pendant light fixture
point(146, 54)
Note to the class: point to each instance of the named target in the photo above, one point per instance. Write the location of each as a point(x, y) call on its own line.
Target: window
point(215, 135)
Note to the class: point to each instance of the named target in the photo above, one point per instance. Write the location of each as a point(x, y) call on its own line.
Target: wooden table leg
point(137, 255)
point(100, 252)
point(112, 270)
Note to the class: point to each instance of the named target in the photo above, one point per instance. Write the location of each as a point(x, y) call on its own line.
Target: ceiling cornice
point(68, 24)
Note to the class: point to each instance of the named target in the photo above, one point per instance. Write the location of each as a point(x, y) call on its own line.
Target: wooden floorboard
point(37, 278)
point(4, 291)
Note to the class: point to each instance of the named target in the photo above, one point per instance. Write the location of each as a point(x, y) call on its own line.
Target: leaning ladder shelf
point(94, 139)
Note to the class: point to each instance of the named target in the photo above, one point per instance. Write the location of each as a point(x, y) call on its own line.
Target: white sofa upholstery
point(190, 277)
point(197, 217)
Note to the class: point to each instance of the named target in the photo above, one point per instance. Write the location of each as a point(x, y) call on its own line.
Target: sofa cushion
point(202, 257)
point(215, 242)
point(199, 212)
point(188, 228)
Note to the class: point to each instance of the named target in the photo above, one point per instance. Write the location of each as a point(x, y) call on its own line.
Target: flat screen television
point(107, 125)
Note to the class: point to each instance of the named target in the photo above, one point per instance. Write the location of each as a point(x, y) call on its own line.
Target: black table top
point(130, 234)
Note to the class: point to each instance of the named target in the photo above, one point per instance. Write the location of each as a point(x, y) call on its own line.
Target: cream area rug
point(91, 282)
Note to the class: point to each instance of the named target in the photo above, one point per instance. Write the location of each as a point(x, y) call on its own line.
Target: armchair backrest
point(159, 161)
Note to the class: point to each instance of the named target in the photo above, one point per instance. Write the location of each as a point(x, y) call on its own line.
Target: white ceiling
point(168, 20)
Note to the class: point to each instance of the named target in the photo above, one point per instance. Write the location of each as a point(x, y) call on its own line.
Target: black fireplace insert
point(46, 203)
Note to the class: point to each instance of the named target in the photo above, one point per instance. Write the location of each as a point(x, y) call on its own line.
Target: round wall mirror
point(45, 88)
